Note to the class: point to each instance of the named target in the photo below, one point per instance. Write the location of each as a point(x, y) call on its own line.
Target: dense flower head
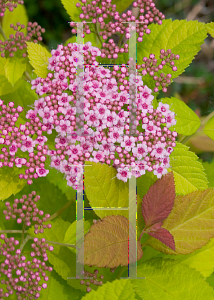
point(22, 146)
point(19, 275)
point(106, 136)
point(26, 211)
point(17, 41)
point(103, 12)
point(8, 4)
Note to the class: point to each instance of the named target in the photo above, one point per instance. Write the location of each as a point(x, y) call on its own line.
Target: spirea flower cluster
point(18, 148)
point(17, 273)
point(104, 12)
point(20, 275)
point(17, 41)
point(8, 4)
point(27, 212)
point(106, 136)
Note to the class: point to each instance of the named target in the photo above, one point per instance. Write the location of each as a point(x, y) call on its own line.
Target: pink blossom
point(128, 143)
point(123, 174)
point(28, 144)
point(20, 162)
point(64, 127)
point(160, 170)
point(42, 172)
point(140, 151)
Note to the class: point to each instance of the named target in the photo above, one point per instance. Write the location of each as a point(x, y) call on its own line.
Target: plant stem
point(96, 30)
point(185, 138)
point(12, 231)
point(2, 33)
point(59, 212)
point(23, 232)
point(142, 233)
point(27, 75)
point(28, 237)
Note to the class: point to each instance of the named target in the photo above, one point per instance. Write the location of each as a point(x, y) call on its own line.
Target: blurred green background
point(195, 87)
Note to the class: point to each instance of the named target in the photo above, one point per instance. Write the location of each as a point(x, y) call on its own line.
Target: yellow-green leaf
point(169, 280)
point(210, 28)
point(6, 87)
point(19, 14)
point(10, 182)
point(187, 122)
point(72, 10)
point(188, 172)
point(2, 64)
point(14, 68)
point(209, 128)
point(38, 57)
point(103, 189)
point(116, 290)
point(106, 244)
point(191, 222)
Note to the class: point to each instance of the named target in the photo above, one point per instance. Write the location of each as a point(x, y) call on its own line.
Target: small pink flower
point(55, 162)
point(41, 140)
point(123, 174)
point(28, 144)
point(98, 156)
point(20, 162)
point(42, 172)
point(128, 143)
point(140, 151)
point(64, 127)
point(13, 149)
point(163, 108)
point(31, 114)
point(160, 170)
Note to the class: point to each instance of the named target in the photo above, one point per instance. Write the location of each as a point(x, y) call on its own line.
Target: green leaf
point(70, 235)
point(209, 170)
point(190, 222)
point(188, 172)
point(121, 6)
point(10, 182)
point(58, 289)
point(2, 64)
point(14, 68)
point(201, 260)
point(116, 290)
point(19, 14)
point(144, 182)
point(181, 36)
point(103, 189)
point(6, 87)
point(23, 96)
point(57, 178)
point(38, 57)
point(72, 10)
point(187, 121)
point(210, 28)
point(209, 128)
point(169, 280)
point(106, 244)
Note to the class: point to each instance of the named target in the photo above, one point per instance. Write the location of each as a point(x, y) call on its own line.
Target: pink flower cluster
point(22, 276)
point(28, 212)
point(18, 40)
point(106, 136)
point(99, 11)
point(9, 4)
point(20, 139)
